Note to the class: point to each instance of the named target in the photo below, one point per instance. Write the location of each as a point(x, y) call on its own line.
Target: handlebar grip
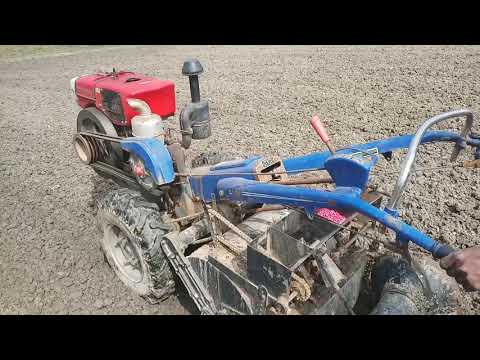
point(320, 129)
point(442, 251)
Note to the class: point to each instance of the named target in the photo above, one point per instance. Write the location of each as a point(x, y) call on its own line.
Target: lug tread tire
point(144, 224)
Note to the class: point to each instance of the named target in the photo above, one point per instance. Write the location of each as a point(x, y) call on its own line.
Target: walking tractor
point(252, 235)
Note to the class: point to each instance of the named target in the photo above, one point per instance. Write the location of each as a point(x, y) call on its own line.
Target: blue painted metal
point(350, 172)
point(398, 237)
point(393, 212)
point(474, 141)
point(233, 164)
point(338, 167)
point(317, 160)
point(235, 181)
point(345, 199)
point(155, 156)
point(205, 186)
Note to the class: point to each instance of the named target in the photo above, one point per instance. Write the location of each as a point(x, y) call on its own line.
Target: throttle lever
point(322, 133)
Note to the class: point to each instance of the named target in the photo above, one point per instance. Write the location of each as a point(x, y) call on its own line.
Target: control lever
point(320, 130)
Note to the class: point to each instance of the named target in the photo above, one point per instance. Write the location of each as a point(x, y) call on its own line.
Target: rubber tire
point(105, 126)
point(144, 225)
point(212, 158)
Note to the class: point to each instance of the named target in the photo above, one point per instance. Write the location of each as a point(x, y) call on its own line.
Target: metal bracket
point(184, 270)
point(211, 225)
point(332, 281)
point(261, 306)
point(232, 227)
point(211, 216)
point(388, 155)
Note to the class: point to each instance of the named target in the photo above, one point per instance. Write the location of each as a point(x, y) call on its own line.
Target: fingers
point(448, 261)
point(467, 275)
point(463, 279)
point(460, 274)
point(452, 264)
point(467, 286)
point(457, 273)
point(464, 266)
point(451, 272)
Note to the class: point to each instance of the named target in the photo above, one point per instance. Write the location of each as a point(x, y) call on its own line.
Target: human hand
point(464, 266)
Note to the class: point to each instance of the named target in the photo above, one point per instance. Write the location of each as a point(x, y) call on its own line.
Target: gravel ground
point(261, 99)
point(16, 52)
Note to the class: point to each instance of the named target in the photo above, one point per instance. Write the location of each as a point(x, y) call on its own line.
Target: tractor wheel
point(132, 230)
point(213, 158)
point(93, 120)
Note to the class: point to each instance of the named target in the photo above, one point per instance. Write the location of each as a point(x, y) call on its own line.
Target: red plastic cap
point(319, 128)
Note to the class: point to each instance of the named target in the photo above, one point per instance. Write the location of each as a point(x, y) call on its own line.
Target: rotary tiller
point(245, 235)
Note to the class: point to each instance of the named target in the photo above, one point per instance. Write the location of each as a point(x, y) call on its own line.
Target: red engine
point(109, 93)
point(110, 102)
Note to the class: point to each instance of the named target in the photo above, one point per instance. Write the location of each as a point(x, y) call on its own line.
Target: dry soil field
point(261, 99)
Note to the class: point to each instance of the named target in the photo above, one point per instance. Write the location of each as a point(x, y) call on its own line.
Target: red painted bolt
point(139, 170)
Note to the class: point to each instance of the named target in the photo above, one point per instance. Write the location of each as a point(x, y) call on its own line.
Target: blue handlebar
point(346, 198)
point(442, 250)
